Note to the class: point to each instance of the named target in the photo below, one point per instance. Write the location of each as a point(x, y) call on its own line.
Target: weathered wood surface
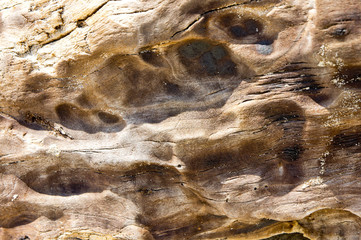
point(188, 119)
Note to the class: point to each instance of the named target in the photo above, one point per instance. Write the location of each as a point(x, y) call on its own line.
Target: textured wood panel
point(137, 119)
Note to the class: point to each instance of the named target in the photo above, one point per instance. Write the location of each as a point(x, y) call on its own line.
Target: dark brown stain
point(348, 138)
point(64, 68)
point(288, 116)
point(201, 57)
point(246, 228)
point(192, 7)
point(293, 174)
point(22, 219)
point(130, 82)
point(153, 176)
point(141, 87)
point(25, 213)
point(152, 57)
point(350, 76)
point(43, 82)
point(206, 160)
point(24, 238)
point(35, 121)
point(340, 32)
point(108, 118)
point(173, 89)
point(308, 85)
point(233, 157)
point(75, 118)
point(155, 189)
point(81, 24)
point(65, 111)
point(38, 83)
point(194, 48)
point(247, 28)
point(60, 181)
point(226, 20)
point(153, 116)
point(287, 236)
point(308, 81)
point(336, 19)
point(291, 153)
point(342, 158)
point(84, 100)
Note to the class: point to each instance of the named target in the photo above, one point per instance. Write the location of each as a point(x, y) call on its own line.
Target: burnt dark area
point(340, 32)
point(291, 153)
point(81, 24)
point(308, 85)
point(24, 238)
point(34, 121)
point(308, 81)
point(348, 138)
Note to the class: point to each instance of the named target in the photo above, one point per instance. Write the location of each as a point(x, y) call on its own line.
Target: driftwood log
point(180, 119)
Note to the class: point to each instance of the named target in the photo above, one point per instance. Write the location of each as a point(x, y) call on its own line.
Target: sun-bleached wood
point(187, 119)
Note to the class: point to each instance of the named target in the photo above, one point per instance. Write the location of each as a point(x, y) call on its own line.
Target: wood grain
point(183, 119)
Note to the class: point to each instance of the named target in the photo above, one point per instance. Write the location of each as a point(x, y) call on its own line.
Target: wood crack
point(135, 12)
point(208, 12)
point(72, 30)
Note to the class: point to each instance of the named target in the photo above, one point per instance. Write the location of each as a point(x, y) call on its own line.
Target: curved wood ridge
point(180, 119)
